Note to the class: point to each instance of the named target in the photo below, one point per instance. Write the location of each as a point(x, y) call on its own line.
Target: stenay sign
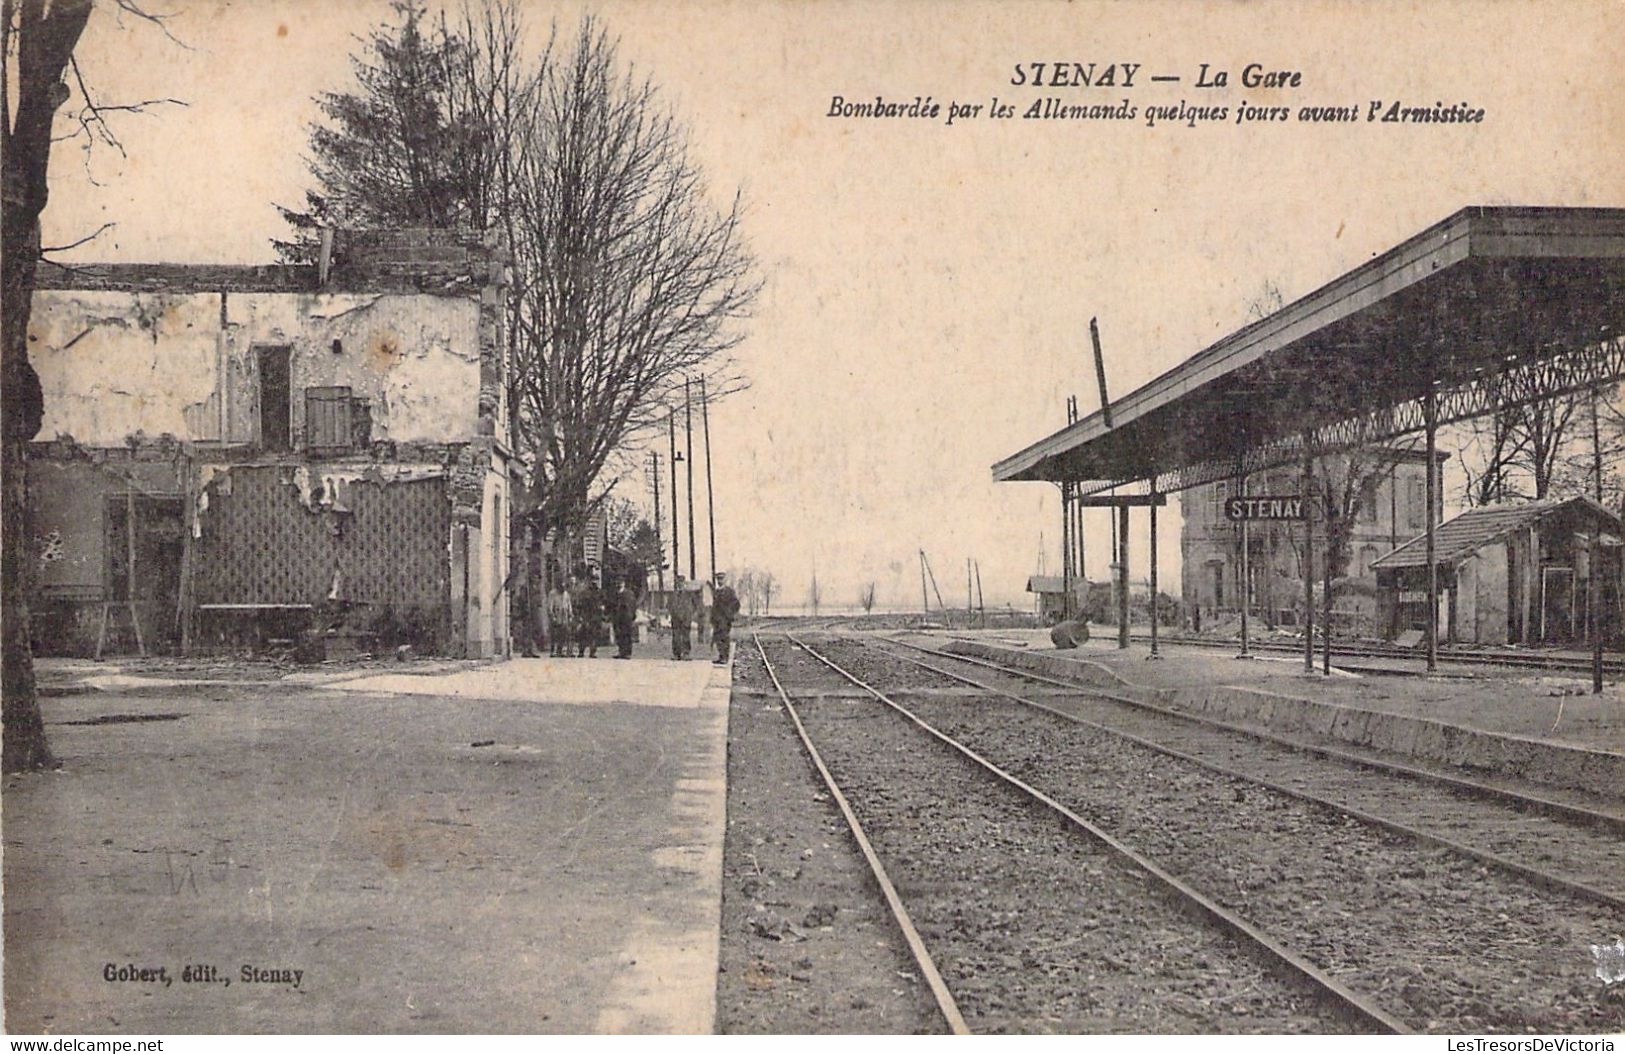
point(1266, 507)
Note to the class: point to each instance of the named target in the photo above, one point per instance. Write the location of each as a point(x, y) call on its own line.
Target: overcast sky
point(930, 286)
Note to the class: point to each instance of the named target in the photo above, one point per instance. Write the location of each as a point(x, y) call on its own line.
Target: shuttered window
point(327, 419)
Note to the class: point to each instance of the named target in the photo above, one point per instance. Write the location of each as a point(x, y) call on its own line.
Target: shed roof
point(1465, 534)
point(1053, 584)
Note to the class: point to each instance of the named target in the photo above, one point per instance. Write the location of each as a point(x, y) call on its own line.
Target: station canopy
point(1492, 307)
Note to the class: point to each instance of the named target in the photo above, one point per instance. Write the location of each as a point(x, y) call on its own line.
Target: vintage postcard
point(740, 516)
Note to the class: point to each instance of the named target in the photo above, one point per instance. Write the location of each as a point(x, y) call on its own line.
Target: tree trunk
point(45, 39)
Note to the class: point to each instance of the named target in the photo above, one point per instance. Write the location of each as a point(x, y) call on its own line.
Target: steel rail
point(922, 958)
point(1544, 879)
point(1525, 662)
point(1187, 897)
point(1518, 799)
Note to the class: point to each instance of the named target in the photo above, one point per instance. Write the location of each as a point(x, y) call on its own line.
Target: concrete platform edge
point(1596, 771)
point(669, 986)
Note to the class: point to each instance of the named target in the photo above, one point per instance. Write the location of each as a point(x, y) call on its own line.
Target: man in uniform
point(560, 620)
point(624, 614)
point(589, 605)
point(681, 609)
point(724, 609)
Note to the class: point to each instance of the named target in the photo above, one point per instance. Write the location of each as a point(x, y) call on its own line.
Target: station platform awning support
point(1491, 308)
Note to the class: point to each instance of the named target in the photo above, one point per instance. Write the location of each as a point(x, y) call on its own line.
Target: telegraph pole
point(688, 431)
point(710, 508)
point(676, 562)
point(660, 572)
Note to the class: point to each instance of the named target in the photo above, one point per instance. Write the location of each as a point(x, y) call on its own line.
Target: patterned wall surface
point(261, 545)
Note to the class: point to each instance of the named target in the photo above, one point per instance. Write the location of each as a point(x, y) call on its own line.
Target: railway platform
point(524, 846)
point(1532, 724)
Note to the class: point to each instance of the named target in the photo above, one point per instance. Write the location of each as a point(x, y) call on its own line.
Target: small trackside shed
point(1511, 574)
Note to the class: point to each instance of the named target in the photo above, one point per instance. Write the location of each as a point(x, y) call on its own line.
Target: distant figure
point(560, 621)
point(589, 609)
point(724, 609)
point(1067, 635)
point(624, 615)
point(684, 602)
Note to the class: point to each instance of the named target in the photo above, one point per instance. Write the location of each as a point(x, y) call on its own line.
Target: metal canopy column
point(1122, 576)
point(1308, 561)
point(1246, 573)
point(1066, 551)
point(1153, 510)
point(1594, 568)
point(1430, 427)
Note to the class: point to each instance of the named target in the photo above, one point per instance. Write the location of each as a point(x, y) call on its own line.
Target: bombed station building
point(288, 452)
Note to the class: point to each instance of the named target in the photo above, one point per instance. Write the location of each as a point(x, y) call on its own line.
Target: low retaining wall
point(1597, 771)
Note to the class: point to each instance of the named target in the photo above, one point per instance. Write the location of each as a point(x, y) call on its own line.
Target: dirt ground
point(381, 863)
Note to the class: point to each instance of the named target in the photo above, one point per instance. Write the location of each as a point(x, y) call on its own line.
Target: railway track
point(1581, 850)
point(1376, 904)
point(1116, 912)
point(1612, 667)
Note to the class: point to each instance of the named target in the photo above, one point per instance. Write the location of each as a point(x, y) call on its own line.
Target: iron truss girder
point(1517, 383)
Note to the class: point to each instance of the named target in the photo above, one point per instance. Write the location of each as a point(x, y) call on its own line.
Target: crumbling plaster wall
point(116, 363)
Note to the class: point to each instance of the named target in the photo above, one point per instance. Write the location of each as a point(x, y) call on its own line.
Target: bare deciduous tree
point(748, 590)
point(630, 280)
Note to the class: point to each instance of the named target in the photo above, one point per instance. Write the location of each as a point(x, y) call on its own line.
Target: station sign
point(1266, 507)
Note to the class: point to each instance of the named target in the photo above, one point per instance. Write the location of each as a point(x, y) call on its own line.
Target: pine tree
point(409, 147)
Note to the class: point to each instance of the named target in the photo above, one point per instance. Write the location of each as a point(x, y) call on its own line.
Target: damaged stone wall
point(117, 363)
point(391, 491)
point(71, 487)
point(114, 364)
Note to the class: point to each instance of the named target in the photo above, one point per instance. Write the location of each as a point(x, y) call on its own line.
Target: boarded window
point(327, 419)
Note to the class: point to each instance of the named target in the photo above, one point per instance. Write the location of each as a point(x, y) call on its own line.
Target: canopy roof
point(1487, 291)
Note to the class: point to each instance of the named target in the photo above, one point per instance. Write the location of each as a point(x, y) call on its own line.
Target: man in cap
point(724, 609)
point(684, 603)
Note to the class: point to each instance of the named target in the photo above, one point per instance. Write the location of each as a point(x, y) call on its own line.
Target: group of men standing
point(576, 616)
point(685, 607)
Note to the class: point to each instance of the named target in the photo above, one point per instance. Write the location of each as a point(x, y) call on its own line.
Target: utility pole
point(688, 432)
point(710, 509)
point(660, 572)
point(676, 527)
